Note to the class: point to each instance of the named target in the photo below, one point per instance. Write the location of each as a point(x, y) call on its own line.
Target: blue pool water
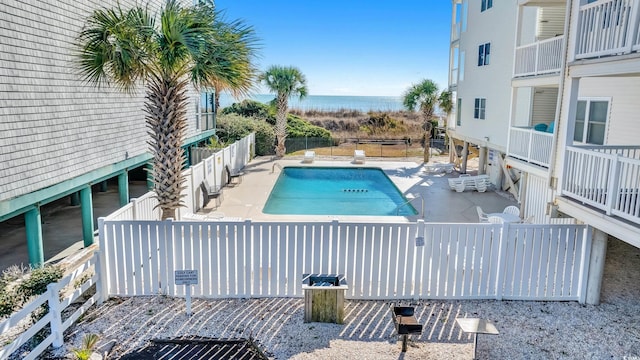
point(336, 191)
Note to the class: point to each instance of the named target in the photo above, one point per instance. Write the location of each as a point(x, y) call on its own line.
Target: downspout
point(563, 74)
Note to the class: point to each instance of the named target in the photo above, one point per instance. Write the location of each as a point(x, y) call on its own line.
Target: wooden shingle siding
point(54, 127)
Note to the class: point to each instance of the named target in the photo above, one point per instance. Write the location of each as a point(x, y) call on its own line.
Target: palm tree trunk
point(216, 99)
point(166, 109)
point(281, 124)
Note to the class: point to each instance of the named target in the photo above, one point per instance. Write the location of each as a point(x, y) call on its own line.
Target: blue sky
point(352, 47)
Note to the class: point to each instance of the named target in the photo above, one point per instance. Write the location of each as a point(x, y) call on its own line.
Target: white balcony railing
point(453, 77)
point(608, 27)
point(530, 145)
point(541, 57)
point(455, 32)
point(592, 174)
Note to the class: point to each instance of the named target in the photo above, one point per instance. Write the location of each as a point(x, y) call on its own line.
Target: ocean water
point(329, 102)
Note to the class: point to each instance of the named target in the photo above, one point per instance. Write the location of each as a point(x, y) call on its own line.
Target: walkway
point(247, 199)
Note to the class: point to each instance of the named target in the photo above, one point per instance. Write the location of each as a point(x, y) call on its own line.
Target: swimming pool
point(336, 191)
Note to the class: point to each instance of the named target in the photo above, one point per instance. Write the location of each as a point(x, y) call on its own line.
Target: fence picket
point(380, 261)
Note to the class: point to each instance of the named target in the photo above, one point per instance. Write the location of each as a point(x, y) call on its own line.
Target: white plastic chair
point(496, 220)
point(359, 157)
point(482, 216)
point(513, 210)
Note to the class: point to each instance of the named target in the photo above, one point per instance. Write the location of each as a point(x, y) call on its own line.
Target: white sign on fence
point(186, 277)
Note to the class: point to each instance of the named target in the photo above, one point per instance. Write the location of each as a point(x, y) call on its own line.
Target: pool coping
point(247, 199)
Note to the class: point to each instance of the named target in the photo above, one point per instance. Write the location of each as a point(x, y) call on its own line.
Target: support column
point(596, 266)
point(465, 155)
point(148, 169)
point(75, 199)
point(482, 160)
point(87, 215)
point(33, 229)
point(123, 188)
point(103, 186)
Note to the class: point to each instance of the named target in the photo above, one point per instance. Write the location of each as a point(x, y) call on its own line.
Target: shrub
point(234, 127)
point(382, 123)
point(251, 109)
point(8, 303)
point(298, 127)
point(36, 283)
point(89, 343)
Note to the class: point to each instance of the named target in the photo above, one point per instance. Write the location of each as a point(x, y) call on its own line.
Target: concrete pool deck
point(247, 199)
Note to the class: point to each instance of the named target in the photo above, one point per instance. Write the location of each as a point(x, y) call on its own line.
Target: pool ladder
point(273, 167)
point(408, 202)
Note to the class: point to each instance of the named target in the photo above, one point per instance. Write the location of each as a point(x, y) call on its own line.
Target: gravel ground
point(528, 330)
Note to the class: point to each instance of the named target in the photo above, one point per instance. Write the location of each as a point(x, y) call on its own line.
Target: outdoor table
point(476, 326)
point(508, 218)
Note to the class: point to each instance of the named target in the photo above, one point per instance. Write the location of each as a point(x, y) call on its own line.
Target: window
point(486, 5)
point(207, 111)
point(458, 113)
point(591, 121)
point(479, 108)
point(484, 52)
point(465, 7)
point(461, 67)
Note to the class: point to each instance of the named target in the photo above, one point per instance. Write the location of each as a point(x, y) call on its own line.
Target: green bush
point(8, 303)
point(15, 292)
point(251, 109)
point(298, 127)
point(36, 283)
point(382, 123)
point(234, 127)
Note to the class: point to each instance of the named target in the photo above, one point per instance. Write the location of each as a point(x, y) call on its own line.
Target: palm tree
point(285, 81)
point(236, 54)
point(424, 96)
point(128, 48)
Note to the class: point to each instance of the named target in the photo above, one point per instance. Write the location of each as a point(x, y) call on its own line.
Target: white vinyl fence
point(380, 261)
point(59, 296)
point(236, 156)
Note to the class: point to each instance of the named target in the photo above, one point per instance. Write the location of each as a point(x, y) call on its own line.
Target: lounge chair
point(309, 156)
point(209, 193)
point(233, 174)
point(359, 157)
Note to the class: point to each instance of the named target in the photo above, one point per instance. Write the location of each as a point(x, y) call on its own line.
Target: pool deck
point(247, 199)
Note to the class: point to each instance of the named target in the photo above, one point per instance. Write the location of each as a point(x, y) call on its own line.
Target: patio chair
point(513, 210)
point(233, 174)
point(528, 220)
point(496, 220)
point(482, 216)
point(359, 157)
point(209, 193)
point(309, 156)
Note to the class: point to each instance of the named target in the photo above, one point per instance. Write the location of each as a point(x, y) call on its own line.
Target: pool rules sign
point(188, 278)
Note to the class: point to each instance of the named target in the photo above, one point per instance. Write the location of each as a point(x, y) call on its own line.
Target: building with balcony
point(60, 135)
point(572, 148)
point(589, 102)
point(596, 177)
point(480, 77)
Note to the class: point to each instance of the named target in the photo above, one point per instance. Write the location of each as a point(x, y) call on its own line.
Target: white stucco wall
point(53, 127)
point(493, 82)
